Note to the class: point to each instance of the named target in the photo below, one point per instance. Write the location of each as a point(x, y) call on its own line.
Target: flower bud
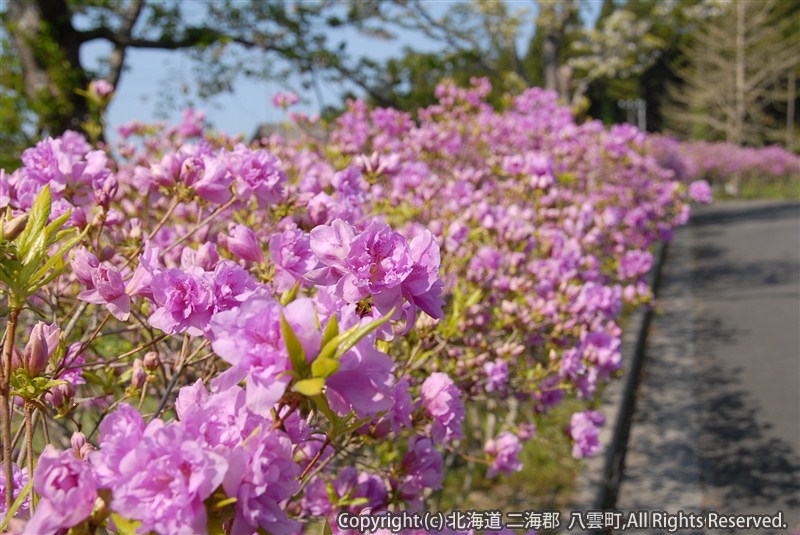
point(368, 164)
point(54, 397)
point(83, 453)
point(382, 428)
point(192, 170)
point(61, 394)
point(13, 228)
point(107, 191)
point(284, 100)
point(318, 209)
point(16, 359)
point(80, 446)
point(41, 346)
point(243, 243)
point(77, 441)
point(136, 229)
point(207, 256)
point(139, 377)
point(107, 253)
point(151, 361)
point(83, 265)
point(101, 88)
point(67, 390)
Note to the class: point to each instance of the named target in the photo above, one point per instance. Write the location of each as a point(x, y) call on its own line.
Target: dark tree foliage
point(42, 40)
point(41, 72)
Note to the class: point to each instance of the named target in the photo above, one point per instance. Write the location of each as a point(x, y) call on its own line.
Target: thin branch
point(117, 60)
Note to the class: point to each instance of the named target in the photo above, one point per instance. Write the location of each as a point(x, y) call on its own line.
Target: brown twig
point(281, 419)
point(29, 408)
point(182, 360)
point(5, 404)
point(96, 332)
point(316, 457)
point(200, 225)
point(124, 355)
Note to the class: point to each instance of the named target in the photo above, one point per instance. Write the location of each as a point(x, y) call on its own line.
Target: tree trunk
point(737, 135)
point(553, 17)
point(739, 105)
point(790, 110)
point(550, 60)
point(49, 49)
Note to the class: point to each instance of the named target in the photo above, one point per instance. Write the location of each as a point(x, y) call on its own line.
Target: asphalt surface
point(717, 419)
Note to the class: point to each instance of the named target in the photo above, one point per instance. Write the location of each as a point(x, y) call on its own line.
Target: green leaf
point(361, 332)
point(93, 378)
point(57, 260)
point(50, 384)
point(125, 526)
point(227, 501)
point(32, 239)
point(297, 354)
point(333, 496)
point(324, 367)
point(51, 230)
point(329, 350)
point(43, 282)
point(326, 530)
point(331, 330)
point(343, 342)
point(16, 505)
point(289, 296)
point(310, 387)
point(324, 407)
point(474, 298)
point(358, 501)
point(355, 425)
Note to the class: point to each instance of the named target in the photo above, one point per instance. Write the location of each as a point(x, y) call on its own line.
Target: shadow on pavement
point(749, 214)
point(717, 277)
point(740, 460)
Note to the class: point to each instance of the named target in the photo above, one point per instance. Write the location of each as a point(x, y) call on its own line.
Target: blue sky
point(152, 73)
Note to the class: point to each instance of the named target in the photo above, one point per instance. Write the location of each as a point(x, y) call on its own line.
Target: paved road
point(717, 422)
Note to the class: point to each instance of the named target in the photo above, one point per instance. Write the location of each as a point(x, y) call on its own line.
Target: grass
point(546, 482)
point(762, 187)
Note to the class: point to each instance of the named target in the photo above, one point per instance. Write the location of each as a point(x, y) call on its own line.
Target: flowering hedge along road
point(695, 160)
point(203, 336)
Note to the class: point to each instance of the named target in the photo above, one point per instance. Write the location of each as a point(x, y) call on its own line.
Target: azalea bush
point(717, 162)
point(206, 336)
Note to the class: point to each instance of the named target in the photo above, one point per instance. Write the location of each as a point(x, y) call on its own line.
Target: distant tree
point(478, 38)
point(15, 115)
point(738, 67)
point(474, 37)
point(486, 38)
point(553, 24)
point(673, 22)
point(621, 47)
point(42, 42)
point(648, 36)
